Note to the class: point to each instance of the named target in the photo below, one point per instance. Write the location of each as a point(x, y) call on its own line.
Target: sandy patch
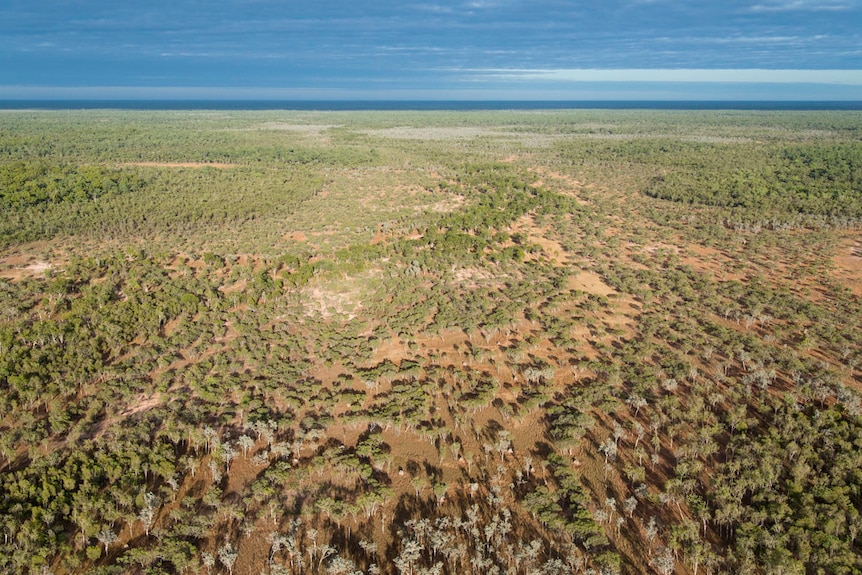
point(450, 204)
point(590, 282)
point(392, 349)
point(236, 287)
point(848, 262)
point(471, 277)
point(303, 128)
point(653, 248)
point(552, 249)
point(341, 299)
point(562, 183)
point(22, 266)
point(435, 133)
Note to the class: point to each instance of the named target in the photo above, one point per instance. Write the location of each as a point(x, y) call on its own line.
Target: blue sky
point(426, 49)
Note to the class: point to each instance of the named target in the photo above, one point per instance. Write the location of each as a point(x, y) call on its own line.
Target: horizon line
point(509, 85)
point(426, 100)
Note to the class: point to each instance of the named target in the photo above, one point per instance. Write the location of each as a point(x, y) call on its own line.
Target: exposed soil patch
point(392, 349)
point(304, 128)
point(848, 262)
point(526, 224)
point(470, 278)
point(590, 282)
point(450, 204)
point(343, 298)
point(19, 266)
point(433, 133)
point(236, 287)
point(561, 183)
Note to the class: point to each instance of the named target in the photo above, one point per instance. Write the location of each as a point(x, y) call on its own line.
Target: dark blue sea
point(452, 105)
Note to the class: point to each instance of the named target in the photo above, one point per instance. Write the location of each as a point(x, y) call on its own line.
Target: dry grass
point(218, 165)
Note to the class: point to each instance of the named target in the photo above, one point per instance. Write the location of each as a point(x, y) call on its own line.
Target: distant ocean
point(452, 105)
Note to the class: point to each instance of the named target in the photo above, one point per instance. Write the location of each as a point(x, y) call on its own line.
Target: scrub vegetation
point(276, 343)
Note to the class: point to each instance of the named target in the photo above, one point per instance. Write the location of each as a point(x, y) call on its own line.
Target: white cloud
point(750, 39)
point(800, 5)
point(846, 77)
point(435, 8)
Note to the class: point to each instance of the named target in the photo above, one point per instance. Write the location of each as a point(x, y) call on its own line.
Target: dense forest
point(532, 342)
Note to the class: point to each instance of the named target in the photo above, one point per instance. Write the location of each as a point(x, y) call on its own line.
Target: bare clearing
point(343, 298)
point(590, 282)
point(19, 266)
point(302, 128)
point(539, 236)
point(436, 133)
point(848, 262)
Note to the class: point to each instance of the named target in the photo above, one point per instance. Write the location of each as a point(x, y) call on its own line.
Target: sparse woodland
point(596, 342)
